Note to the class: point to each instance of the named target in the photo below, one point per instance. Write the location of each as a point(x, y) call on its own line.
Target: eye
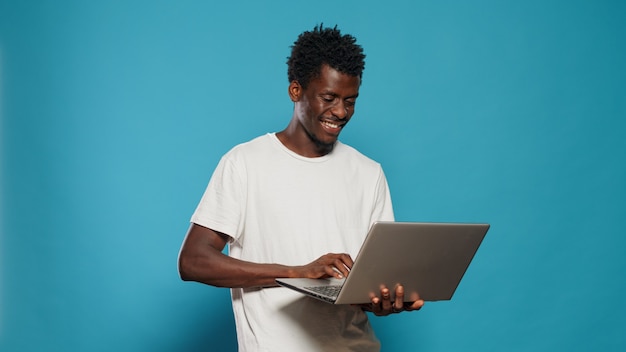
point(350, 102)
point(328, 98)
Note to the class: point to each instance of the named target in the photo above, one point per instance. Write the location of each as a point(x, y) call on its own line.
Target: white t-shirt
point(280, 207)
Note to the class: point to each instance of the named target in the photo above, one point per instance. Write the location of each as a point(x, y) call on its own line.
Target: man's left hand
point(384, 305)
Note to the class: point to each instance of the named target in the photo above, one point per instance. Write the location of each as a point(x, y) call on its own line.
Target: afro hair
point(321, 46)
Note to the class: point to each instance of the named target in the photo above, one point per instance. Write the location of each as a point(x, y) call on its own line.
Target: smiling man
point(296, 203)
point(321, 111)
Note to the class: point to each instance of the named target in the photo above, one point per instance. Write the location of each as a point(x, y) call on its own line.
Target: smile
point(331, 125)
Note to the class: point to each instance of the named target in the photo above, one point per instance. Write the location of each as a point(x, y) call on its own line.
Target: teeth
point(331, 125)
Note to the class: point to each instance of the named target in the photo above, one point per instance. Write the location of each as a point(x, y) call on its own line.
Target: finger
point(386, 299)
point(340, 262)
point(399, 301)
point(376, 309)
point(332, 271)
point(417, 305)
point(347, 260)
point(341, 267)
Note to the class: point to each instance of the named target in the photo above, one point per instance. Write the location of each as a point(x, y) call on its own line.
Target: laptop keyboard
point(330, 291)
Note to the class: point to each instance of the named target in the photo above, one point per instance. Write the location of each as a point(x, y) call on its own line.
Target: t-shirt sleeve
point(383, 208)
point(222, 204)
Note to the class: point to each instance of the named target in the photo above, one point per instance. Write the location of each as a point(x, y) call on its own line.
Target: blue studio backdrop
point(115, 113)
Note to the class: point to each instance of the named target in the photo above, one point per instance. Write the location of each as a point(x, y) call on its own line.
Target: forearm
point(201, 259)
point(216, 269)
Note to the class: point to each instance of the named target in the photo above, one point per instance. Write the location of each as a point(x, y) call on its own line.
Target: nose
point(340, 110)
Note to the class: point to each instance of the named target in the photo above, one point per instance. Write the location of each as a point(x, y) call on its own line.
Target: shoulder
point(250, 148)
point(356, 164)
point(351, 155)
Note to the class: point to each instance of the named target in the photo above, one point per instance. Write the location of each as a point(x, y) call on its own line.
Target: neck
point(296, 139)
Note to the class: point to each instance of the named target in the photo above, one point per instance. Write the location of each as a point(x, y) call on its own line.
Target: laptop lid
point(428, 259)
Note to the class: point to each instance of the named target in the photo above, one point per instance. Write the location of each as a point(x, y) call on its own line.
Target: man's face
point(326, 105)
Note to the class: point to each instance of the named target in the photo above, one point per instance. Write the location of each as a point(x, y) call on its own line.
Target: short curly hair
point(324, 46)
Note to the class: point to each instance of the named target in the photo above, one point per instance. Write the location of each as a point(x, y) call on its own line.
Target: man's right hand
point(335, 265)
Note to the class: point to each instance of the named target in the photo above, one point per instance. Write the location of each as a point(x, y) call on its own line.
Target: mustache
point(334, 119)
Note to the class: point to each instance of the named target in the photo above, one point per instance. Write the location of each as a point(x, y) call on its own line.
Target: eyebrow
point(336, 95)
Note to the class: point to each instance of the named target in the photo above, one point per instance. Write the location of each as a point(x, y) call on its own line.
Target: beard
point(321, 145)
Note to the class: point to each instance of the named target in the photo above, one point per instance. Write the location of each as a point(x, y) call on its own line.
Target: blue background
point(114, 115)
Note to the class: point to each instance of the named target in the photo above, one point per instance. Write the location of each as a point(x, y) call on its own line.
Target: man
point(297, 203)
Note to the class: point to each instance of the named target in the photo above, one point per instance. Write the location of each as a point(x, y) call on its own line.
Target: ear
point(295, 91)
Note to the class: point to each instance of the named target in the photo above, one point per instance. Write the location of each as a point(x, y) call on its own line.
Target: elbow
point(185, 271)
point(198, 267)
point(194, 268)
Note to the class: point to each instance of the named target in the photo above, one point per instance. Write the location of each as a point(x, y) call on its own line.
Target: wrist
point(293, 272)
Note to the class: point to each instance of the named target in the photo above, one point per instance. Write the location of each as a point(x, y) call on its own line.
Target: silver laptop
point(428, 259)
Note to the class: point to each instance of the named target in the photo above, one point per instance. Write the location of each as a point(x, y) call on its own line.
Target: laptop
point(428, 259)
